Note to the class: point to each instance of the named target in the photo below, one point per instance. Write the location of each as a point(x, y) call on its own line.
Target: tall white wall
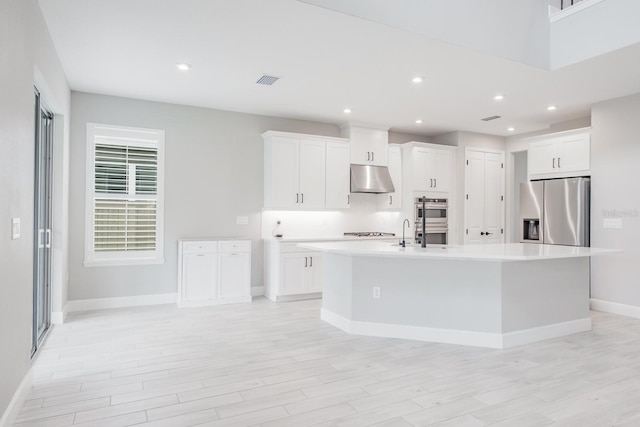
point(27, 58)
point(601, 28)
point(615, 192)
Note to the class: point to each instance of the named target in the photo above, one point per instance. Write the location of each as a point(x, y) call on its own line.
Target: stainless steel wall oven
point(434, 213)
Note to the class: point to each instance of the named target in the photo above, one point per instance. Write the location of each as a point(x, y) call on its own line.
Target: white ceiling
point(328, 61)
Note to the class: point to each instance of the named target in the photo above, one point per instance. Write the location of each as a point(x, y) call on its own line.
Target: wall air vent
point(267, 80)
point(488, 119)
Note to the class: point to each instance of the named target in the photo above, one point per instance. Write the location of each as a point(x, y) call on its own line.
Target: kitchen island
point(494, 296)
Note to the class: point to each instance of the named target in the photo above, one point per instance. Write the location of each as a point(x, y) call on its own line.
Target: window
point(124, 222)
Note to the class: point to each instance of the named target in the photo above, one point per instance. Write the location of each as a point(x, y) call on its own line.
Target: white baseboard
point(418, 333)
point(454, 336)
point(11, 413)
point(257, 291)
point(615, 308)
point(541, 333)
point(58, 317)
point(118, 302)
point(210, 302)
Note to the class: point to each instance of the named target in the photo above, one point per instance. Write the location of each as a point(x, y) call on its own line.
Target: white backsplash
point(361, 216)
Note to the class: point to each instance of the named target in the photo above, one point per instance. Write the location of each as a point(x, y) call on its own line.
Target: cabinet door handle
point(430, 182)
point(368, 156)
point(558, 162)
point(311, 263)
point(301, 197)
point(554, 162)
point(305, 261)
point(373, 156)
point(435, 182)
point(47, 243)
point(348, 199)
point(297, 198)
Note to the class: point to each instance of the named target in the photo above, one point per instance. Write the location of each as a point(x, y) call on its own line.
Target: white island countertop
point(491, 252)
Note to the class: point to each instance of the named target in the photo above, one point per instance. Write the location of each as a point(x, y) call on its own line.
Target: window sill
point(122, 262)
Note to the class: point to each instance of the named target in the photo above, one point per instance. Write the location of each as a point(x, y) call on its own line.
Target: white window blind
point(124, 194)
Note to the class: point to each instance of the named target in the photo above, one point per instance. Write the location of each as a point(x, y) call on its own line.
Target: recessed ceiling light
point(551, 107)
point(182, 66)
point(347, 110)
point(417, 79)
point(419, 121)
point(511, 129)
point(498, 97)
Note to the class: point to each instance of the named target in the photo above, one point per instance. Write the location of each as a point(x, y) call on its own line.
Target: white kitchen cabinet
point(484, 198)
point(560, 155)
point(368, 146)
point(291, 273)
point(338, 179)
point(432, 169)
point(213, 272)
point(294, 173)
point(393, 200)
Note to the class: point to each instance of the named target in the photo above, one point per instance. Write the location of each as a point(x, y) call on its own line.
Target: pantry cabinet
point(213, 272)
point(560, 155)
point(291, 272)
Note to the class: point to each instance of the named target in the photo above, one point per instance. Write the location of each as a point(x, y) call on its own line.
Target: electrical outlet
point(376, 292)
point(15, 228)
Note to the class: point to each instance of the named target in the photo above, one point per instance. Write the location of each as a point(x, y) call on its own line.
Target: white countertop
point(493, 252)
point(333, 239)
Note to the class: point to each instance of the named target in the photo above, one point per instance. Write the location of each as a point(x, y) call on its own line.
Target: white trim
point(131, 301)
point(18, 399)
point(615, 308)
point(418, 333)
point(257, 291)
point(455, 336)
point(216, 301)
point(58, 317)
point(578, 7)
point(541, 333)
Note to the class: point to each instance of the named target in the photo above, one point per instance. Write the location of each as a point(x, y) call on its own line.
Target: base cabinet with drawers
point(291, 272)
point(213, 272)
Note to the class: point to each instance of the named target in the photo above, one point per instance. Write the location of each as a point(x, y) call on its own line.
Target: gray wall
point(25, 51)
point(615, 192)
point(213, 173)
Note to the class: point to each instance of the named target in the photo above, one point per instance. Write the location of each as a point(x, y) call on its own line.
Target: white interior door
point(474, 198)
point(493, 198)
point(484, 198)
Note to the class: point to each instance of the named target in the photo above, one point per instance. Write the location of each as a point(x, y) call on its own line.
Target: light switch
point(242, 220)
point(615, 223)
point(15, 228)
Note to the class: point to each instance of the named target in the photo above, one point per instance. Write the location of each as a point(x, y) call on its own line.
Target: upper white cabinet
point(297, 174)
point(368, 146)
point(431, 169)
point(213, 272)
point(560, 155)
point(393, 200)
point(337, 175)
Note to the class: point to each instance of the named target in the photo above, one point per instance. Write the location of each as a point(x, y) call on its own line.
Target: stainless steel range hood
point(371, 179)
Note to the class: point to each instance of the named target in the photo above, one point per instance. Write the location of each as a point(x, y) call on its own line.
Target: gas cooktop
point(369, 234)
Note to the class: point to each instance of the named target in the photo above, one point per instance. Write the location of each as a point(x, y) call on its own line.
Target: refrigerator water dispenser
point(531, 229)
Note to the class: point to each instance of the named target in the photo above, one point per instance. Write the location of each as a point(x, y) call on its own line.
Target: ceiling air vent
point(267, 80)
point(488, 119)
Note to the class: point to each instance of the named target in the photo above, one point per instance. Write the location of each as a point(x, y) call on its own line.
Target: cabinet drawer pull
point(554, 162)
point(390, 200)
point(305, 261)
point(297, 198)
point(348, 199)
point(558, 162)
point(373, 156)
point(311, 263)
point(435, 182)
point(301, 197)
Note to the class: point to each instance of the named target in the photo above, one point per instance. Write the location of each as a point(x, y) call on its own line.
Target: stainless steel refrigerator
point(555, 211)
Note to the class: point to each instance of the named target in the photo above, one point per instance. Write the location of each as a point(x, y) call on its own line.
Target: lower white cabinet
point(291, 272)
point(213, 272)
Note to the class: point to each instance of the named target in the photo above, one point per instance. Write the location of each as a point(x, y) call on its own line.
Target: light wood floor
point(273, 364)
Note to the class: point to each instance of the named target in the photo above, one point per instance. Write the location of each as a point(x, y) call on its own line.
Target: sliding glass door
point(42, 223)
